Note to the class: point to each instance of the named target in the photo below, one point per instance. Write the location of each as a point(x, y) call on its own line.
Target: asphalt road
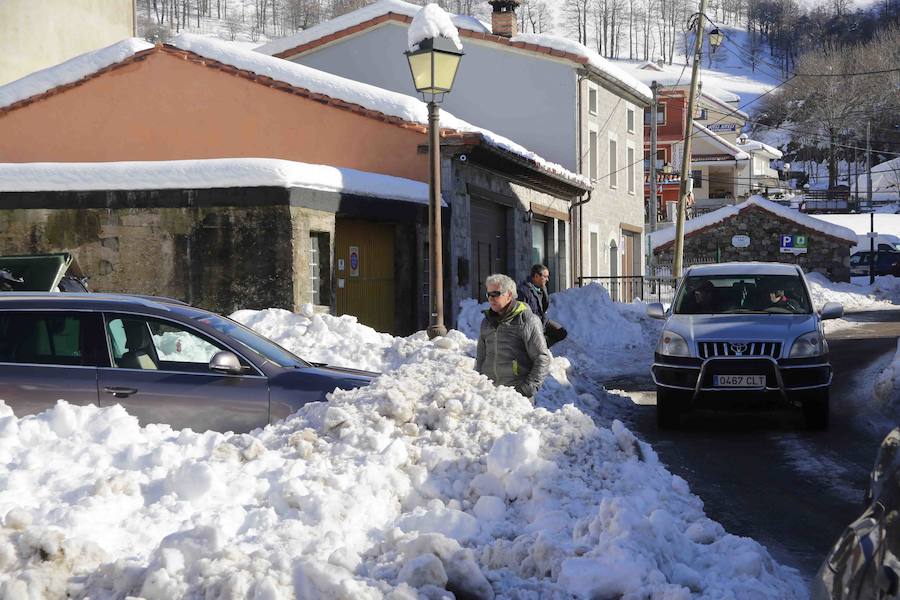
point(761, 474)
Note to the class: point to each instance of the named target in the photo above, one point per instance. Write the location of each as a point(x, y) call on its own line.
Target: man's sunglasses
point(494, 294)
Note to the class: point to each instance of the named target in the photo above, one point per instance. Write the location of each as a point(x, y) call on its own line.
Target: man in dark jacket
point(533, 292)
point(511, 347)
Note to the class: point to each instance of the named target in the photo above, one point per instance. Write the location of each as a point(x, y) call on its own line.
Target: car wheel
point(669, 406)
point(816, 409)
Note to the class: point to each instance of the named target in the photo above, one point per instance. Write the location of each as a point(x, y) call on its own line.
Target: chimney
point(503, 17)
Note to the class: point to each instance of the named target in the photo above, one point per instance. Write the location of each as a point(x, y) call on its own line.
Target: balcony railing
point(628, 288)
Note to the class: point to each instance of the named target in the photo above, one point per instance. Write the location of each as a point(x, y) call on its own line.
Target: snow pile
point(431, 22)
point(881, 295)
point(429, 479)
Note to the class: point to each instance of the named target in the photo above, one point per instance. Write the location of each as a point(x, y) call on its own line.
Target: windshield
point(729, 294)
point(254, 342)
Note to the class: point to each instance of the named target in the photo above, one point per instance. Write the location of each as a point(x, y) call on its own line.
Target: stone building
point(761, 230)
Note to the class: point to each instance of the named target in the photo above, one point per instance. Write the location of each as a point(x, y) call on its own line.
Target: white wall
point(529, 100)
point(36, 34)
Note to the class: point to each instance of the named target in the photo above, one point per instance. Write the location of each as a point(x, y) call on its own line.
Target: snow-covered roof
point(671, 75)
point(205, 174)
point(721, 142)
point(361, 15)
point(885, 178)
point(393, 104)
point(464, 24)
point(431, 22)
point(755, 146)
point(726, 108)
point(664, 237)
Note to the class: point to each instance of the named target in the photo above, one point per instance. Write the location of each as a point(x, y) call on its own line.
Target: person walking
point(533, 292)
point(511, 346)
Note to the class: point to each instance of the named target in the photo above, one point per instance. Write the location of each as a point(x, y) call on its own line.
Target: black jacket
point(536, 298)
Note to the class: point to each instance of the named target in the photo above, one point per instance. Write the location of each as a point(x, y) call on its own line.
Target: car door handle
point(120, 392)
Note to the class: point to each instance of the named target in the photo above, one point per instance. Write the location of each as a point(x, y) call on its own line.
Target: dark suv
point(885, 263)
point(162, 360)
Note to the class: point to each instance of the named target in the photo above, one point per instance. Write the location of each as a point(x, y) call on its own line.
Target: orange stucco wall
point(167, 108)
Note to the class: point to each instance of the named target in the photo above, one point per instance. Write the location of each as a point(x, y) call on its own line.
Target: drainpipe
point(577, 265)
point(572, 208)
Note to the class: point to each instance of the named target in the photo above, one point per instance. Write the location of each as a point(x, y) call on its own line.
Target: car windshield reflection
point(742, 294)
point(254, 342)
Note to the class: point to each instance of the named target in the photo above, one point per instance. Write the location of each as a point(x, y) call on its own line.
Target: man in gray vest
point(511, 346)
point(533, 292)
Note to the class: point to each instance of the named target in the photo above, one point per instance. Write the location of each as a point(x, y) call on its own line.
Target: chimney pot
point(503, 17)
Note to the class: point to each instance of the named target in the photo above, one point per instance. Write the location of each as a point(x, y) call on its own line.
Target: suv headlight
point(672, 344)
point(809, 344)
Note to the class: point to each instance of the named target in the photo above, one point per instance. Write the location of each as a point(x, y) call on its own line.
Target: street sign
point(354, 261)
point(794, 244)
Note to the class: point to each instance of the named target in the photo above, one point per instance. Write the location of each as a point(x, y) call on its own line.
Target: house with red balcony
point(726, 166)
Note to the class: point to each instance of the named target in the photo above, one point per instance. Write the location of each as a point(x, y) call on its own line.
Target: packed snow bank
point(884, 294)
point(429, 479)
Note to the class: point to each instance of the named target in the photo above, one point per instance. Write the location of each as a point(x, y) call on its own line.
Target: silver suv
point(742, 333)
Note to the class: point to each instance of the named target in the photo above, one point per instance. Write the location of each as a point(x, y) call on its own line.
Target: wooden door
point(365, 284)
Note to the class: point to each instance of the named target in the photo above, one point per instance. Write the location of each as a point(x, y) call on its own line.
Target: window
point(697, 176)
point(660, 114)
point(592, 101)
point(595, 252)
point(660, 158)
point(592, 156)
point(629, 119)
point(630, 169)
point(149, 344)
point(320, 267)
point(539, 242)
point(51, 339)
point(613, 164)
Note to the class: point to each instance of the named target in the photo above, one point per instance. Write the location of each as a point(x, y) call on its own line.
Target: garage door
point(488, 223)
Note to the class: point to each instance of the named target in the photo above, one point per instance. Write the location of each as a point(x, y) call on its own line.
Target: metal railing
point(628, 288)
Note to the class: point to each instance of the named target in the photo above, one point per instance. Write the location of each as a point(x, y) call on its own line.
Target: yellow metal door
point(365, 284)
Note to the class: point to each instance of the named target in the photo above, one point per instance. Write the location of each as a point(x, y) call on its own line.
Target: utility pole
point(868, 165)
point(654, 209)
point(686, 156)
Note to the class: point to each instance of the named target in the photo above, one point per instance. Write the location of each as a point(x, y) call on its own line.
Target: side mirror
point(832, 310)
point(226, 363)
point(656, 310)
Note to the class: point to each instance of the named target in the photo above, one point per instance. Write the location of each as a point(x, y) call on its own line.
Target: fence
point(627, 288)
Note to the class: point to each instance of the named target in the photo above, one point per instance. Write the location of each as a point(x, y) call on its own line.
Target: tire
point(816, 410)
point(669, 406)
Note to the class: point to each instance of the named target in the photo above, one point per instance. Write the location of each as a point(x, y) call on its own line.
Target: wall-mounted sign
point(340, 264)
point(354, 261)
point(794, 244)
point(740, 241)
point(722, 127)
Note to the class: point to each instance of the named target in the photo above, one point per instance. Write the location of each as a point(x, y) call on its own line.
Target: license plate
point(739, 380)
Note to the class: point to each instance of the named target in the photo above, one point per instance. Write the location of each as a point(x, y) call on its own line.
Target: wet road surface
point(761, 474)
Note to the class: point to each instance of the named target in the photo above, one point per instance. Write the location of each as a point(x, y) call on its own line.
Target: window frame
point(630, 171)
point(593, 92)
point(629, 119)
point(613, 161)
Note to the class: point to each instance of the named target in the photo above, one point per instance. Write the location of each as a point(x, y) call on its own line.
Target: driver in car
point(779, 299)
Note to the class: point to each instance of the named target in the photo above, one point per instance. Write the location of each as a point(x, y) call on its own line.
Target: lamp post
point(433, 66)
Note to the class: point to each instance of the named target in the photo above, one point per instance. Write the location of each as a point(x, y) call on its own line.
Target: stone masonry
point(826, 254)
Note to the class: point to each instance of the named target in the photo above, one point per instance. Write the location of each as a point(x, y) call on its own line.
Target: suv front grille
point(714, 349)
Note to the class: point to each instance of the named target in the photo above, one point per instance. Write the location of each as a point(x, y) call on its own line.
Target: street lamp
point(716, 38)
point(433, 66)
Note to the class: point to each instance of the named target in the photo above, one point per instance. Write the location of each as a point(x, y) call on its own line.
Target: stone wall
point(217, 249)
point(827, 255)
